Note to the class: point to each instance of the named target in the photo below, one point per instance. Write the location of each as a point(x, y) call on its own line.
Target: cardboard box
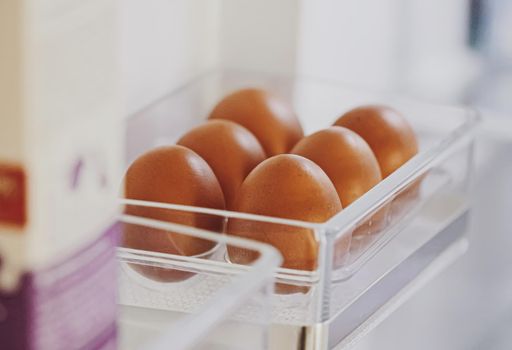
point(60, 170)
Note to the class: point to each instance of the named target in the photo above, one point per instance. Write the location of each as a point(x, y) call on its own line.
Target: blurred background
point(455, 52)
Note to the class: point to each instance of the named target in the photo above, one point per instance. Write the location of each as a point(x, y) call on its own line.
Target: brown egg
point(291, 187)
point(389, 135)
point(230, 150)
point(269, 118)
point(176, 175)
point(345, 157)
point(350, 164)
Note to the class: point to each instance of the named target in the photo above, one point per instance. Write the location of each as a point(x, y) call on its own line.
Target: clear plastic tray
point(419, 201)
point(194, 312)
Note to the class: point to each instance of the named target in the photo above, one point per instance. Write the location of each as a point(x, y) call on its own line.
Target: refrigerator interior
point(464, 299)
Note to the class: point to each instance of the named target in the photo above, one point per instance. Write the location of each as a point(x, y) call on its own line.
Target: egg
point(231, 150)
point(350, 164)
point(345, 157)
point(291, 187)
point(393, 142)
point(388, 133)
point(177, 175)
point(268, 117)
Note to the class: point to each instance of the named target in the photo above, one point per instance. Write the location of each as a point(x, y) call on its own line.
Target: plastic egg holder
point(425, 200)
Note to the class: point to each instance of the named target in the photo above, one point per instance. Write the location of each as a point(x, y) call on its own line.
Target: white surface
point(416, 46)
point(436, 63)
point(164, 44)
point(349, 41)
point(260, 35)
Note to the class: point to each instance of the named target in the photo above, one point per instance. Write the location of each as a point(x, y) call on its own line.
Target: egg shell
point(291, 187)
point(345, 157)
point(177, 175)
point(391, 139)
point(231, 150)
point(350, 164)
point(388, 133)
point(271, 119)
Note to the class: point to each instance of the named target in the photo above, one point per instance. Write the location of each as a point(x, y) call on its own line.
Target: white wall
point(415, 47)
point(167, 42)
point(350, 41)
point(260, 35)
point(164, 44)
point(437, 64)
point(407, 45)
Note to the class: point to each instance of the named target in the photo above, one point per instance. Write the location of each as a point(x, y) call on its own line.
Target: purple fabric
point(71, 305)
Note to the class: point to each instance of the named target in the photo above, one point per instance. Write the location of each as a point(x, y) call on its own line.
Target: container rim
point(269, 254)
